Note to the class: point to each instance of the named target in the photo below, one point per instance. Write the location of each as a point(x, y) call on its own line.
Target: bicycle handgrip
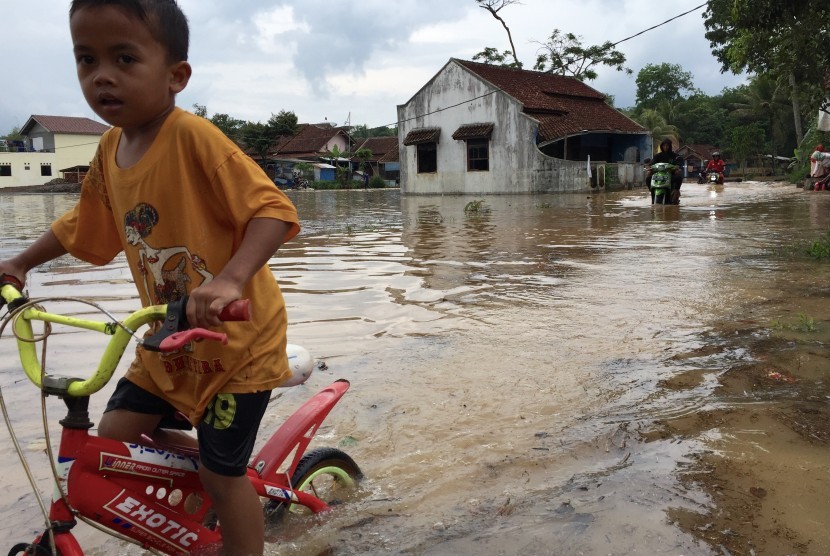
point(236, 310)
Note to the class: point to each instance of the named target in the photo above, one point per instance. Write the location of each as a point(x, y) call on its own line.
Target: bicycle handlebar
point(173, 335)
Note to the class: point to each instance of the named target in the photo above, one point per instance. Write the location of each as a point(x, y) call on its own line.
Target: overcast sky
point(338, 60)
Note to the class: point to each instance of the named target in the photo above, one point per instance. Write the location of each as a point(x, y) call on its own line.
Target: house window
point(5, 169)
point(427, 158)
point(478, 155)
point(45, 169)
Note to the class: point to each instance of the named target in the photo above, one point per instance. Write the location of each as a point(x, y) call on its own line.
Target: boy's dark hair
point(164, 18)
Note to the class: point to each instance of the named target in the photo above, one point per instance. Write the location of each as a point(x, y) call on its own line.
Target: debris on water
point(780, 377)
point(348, 441)
point(506, 509)
point(565, 508)
point(758, 492)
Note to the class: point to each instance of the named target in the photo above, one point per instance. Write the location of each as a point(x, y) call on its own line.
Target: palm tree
point(653, 121)
point(764, 99)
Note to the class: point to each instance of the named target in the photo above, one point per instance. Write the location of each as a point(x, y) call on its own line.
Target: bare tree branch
point(494, 6)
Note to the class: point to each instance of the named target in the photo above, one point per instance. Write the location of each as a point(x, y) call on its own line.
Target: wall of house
point(74, 150)
point(25, 168)
point(516, 165)
point(59, 151)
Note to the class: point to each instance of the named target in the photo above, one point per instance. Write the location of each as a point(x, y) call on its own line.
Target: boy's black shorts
point(226, 433)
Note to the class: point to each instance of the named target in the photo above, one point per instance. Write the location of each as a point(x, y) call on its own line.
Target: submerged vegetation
point(820, 248)
point(476, 207)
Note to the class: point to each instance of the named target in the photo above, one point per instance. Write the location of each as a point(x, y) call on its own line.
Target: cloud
point(347, 60)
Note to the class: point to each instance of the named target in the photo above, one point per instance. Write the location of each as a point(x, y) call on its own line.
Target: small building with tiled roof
point(384, 160)
point(696, 157)
point(52, 147)
point(485, 129)
point(314, 141)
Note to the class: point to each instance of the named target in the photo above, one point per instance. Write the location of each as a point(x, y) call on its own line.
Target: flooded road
point(565, 374)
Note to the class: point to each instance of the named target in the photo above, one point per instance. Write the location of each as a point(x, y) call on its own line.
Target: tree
point(745, 141)
point(263, 137)
point(362, 155)
point(284, 123)
point(13, 135)
point(563, 54)
point(494, 7)
point(657, 126)
point(200, 110)
point(785, 39)
point(763, 100)
point(492, 56)
point(229, 126)
point(660, 83)
point(364, 132)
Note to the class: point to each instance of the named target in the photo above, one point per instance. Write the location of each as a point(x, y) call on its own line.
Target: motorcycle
point(661, 189)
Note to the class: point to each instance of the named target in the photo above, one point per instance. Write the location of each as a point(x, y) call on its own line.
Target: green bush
point(333, 184)
point(377, 182)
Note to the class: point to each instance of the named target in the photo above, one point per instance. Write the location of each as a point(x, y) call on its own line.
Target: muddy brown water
point(573, 374)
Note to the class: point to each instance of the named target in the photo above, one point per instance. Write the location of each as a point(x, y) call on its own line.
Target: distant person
point(820, 167)
point(716, 165)
point(667, 155)
point(819, 162)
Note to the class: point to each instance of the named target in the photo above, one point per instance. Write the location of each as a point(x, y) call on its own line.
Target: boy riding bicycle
point(194, 216)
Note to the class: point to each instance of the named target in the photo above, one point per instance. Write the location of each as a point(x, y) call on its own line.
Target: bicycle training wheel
point(327, 473)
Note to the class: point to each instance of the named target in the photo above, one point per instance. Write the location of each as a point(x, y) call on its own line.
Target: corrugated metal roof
point(65, 124)
point(474, 131)
point(422, 135)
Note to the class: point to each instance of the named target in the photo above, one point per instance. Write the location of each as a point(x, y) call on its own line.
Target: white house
point(53, 147)
point(484, 129)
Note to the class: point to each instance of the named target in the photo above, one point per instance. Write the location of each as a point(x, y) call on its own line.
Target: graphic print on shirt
point(167, 271)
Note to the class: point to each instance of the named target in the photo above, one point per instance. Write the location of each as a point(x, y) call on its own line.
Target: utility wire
point(653, 27)
point(497, 90)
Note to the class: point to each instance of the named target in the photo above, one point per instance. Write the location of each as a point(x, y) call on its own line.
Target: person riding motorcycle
point(666, 154)
point(716, 165)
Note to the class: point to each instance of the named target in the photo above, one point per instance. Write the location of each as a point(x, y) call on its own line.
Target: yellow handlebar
point(121, 333)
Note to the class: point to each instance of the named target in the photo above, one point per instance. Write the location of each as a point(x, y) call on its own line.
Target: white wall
point(516, 165)
point(25, 168)
point(69, 151)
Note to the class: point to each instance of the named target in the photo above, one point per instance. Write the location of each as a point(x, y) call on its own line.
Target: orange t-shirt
point(179, 214)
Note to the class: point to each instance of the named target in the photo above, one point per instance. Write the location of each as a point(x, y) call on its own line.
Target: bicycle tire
point(26, 548)
point(328, 473)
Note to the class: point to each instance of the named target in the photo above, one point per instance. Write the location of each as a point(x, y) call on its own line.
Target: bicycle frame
point(149, 494)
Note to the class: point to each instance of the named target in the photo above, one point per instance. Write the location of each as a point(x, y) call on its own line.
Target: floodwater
point(514, 369)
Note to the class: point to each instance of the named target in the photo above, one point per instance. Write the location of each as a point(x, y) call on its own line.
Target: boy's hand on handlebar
point(14, 272)
point(208, 300)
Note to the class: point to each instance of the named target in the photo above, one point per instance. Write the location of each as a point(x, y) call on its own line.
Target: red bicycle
point(150, 494)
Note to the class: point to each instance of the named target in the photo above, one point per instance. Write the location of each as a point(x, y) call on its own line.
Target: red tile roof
point(65, 124)
point(393, 155)
point(379, 146)
point(309, 139)
point(702, 151)
point(474, 131)
point(422, 135)
point(562, 105)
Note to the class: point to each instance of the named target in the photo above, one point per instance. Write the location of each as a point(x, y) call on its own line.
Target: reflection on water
point(501, 359)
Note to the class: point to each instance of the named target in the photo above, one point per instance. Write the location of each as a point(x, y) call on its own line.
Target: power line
point(660, 24)
point(497, 90)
